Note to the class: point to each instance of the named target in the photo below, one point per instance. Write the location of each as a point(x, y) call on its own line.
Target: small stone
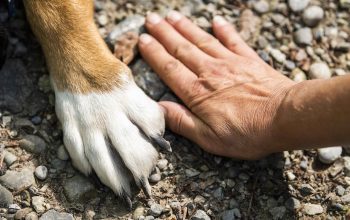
point(346, 160)
point(278, 212)
point(191, 172)
point(62, 153)
point(156, 210)
point(155, 178)
point(329, 154)
point(340, 190)
point(41, 172)
point(345, 4)
point(336, 168)
point(278, 55)
point(319, 71)
point(31, 216)
point(345, 198)
point(233, 204)
point(6, 197)
point(79, 188)
point(218, 193)
point(340, 72)
point(292, 203)
point(342, 47)
point(131, 23)
point(290, 65)
point(297, 5)
point(58, 164)
point(102, 19)
point(25, 125)
point(18, 180)
point(290, 176)
point(44, 83)
point(139, 211)
point(228, 215)
point(261, 6)
point(313, 15)
point(306, 189)
point(298, 75)
point(33, 144)
point(38, 204)
point(162, 164)
point(200, 215)
point(53, 214)
point(303, 36)
point(264, 56)
point(304, 164)
point(13, 208)
point(21, 214)
point(312, 209)
point(149, 218)
point(9, 158)
point(36, 120)
point(199, 199)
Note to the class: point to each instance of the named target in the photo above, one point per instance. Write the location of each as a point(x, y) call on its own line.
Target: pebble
point(102, 19)
point(21, 214)
point(15, 180)
point(139, 211)
point(290, 176)
point(41, 172)
point(9, 158)
point(36, 120)
point(303, 36)
point(148, 80)
point(313, 15)
point(62, 153)
point(13, 208)
point(264, 56)
point(31, 216)
point(278, 212)
point(6, 197)
point(278, 55)
point(346, 163)
point(345, 4)
point(38, 204)
point(329, 154)
point(261, 6)
point(312, 209)
point(290, 65)
point(58, 164)
point(191, 172)
point(200, 215)
point(155, 178)
point(228, 215)
point(33, 144)
point(149, 218)
point(199, 199)
point(306, 189)
point(345, 198)
point(131, 23)
point(218, 193)
point(156, 210)
point(162, 164)
point(292, 203)
point(53, 214)
point(319, 71)
point(79, 188)
point(340, 190)
point(297, 5)
point(233, 204)
point(298, 75)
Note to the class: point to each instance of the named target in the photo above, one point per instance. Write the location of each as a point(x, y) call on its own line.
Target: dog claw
point(146, 187)
point(163, 143)
point(127, 201)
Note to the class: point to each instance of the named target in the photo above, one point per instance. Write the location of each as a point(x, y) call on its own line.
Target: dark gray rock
point(6, 197)
point(79, 189)
point(228, 215)
point(18, 180)
point(53, 214)
point(148, 80)
point(33, 144)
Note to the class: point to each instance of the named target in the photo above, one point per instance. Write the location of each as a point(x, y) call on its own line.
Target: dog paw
point(110, 133)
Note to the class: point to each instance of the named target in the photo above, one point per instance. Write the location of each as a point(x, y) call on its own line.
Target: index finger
point(175, 74)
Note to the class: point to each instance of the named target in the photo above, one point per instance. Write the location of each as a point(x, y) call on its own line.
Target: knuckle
point(207, 41)
point(232, 44)
point(182, 49)
point(171, 66)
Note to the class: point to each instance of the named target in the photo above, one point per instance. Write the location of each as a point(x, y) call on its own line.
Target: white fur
point(90, 121)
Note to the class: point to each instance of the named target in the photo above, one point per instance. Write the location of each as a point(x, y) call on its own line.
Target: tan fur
point(76, 55)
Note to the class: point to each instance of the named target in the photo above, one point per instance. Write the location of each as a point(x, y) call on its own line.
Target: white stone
point(329, 154)
point(312, 209)
point(297, 5)
point(320, 71)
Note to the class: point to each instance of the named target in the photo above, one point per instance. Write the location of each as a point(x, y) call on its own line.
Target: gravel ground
point(302, 39)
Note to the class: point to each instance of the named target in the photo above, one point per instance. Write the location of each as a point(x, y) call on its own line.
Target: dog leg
point(107, 120)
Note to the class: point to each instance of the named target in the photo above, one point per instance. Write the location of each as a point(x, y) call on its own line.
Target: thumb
point(181, 121)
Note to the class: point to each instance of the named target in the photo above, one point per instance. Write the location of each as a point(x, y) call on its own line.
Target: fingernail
point(145, 39)
point(174, 16)
point(219, 20)
point(153, 18)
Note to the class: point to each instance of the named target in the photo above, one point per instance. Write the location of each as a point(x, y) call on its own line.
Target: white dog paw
point(109, 133)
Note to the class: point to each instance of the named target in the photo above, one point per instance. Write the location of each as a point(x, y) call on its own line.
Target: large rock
point(18, 180)
point(53, 215)
point(79, 189)
point(6, 197)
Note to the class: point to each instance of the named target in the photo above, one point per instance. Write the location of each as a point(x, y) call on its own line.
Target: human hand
point(231, 95)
